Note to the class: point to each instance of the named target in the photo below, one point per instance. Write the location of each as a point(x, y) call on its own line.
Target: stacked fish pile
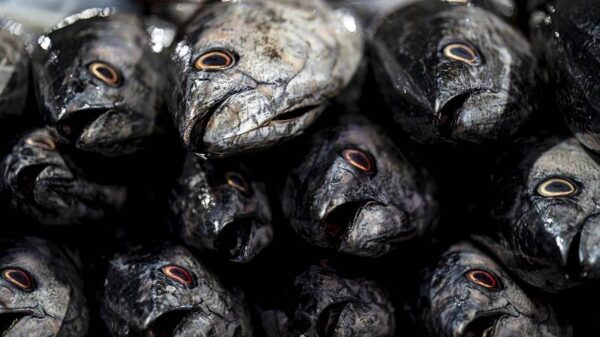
point(301, 168)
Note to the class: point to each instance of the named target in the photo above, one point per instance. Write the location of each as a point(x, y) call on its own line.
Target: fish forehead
point(566, 158)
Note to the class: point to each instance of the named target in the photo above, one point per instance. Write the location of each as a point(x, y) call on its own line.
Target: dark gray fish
point(467, 294)
point(41, 291)
point(454, 73)
point(165, 291)
point(546, 213)
point(42, 183)
point(14, 68)
point(326, 304)
point(566, 35)
point(247, 75)
point(356, 192)
point(98, 80)
point(219, 206)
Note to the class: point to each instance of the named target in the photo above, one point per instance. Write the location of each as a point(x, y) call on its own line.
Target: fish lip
point(329, 317)
point(9, 319)
point(482, 320)
point(27, 177)
point(239, 232)
point(72, 125)
point(449, 112)
point(347, 212)
point(167, 322)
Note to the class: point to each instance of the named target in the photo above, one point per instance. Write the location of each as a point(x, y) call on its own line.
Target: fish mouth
point(234, 239)
point(75, 124)
point(9, 320)
point(482, 325)
point(450, 112)
point(166, 324)
point(293, 114)
point(27, 178)
point(339, 220)
point(329, 318)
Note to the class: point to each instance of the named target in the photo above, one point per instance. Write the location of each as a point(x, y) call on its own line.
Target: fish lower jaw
point(9, 319)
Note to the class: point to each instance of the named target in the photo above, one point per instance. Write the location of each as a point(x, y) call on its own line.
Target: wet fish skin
point(98, 81)
point(54, 304)
point(42, 183)
point(329, 304)
point(219, 206)
point(564, 34)
point(549, 240)
point(453, 304)
point(14, 68)
point(437, 98)
point(139, 296)
point(368, 213)
point(272, 84)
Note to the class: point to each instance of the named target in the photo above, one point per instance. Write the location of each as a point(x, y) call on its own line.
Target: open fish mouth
point(166, 324)
point(27, 178)
point(450, 112)
point(73, 126)
point(483, 325)
point(329, 318)
point(234, 239)
point(339, 220)
point(9, 320)
point(293, 115)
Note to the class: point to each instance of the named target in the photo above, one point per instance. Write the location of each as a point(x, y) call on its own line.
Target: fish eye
point(483, 279)
point(557, 187)
point(41, 142)
point(215, 60)
point(178, 274)
point(19, 277)
point(463, 53)
point(105, 73)
point(238, 182)
point(359, 159)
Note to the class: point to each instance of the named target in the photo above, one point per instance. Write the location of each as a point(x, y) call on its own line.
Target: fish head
point(220, 206)
point(236, 92)
point(97, 81)
point(40, 291)
point(550, 235)
point(468, 294)
point(14, 67)
point(45, 185)
point(356, 192)
point(454, 73)
point(165, 291)
point(326, 304)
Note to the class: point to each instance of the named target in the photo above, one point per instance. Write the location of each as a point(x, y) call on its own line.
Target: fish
point(356, 192)
point(466, 293)
point(453, 73)
point(163, 290)
point(235, 92)
point(218, 205)
point(14, 68)
point(545, 213)
point(566, 40)
point(324, 303)
point(41, 290)
point(98, 81)
point(42, 183)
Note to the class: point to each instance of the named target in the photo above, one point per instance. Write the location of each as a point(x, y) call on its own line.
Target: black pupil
point(181, 274)
point(483, 278)
point(20, 277)
point(361, 159)
point(216, 60)
point(104, 71)
point(463, 52)
point(558, 187)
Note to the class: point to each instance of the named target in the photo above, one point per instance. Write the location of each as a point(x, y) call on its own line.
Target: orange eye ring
point(483, 278)
point(41, 142)
point(359, 159)
point(462, 52)
point(19, 277)
point(238, 182)
point(178, 274)
point(557, 187)
point(215, 60)
point(105, 73)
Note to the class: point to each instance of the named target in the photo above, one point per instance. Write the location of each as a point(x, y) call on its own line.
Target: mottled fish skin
point(14, 68)
point(41, 290)
point(334, 203)
point(98, 80)
point(268, 86)
point(165, 291)
point(468, 294)
point(566, 36)
point(220, 206)
point(453, 73)
point(42, 183)
point(330, 305)
point(546, 213)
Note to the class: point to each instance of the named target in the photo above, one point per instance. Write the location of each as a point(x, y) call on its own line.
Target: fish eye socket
point(41, 142)
point(483, 279)
point(557, 187)
point(215, 60)
point(105, 73)
point(359, 159)
point(462, 53)
point(238, 182)
point(19, 277)
point(178, 274)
